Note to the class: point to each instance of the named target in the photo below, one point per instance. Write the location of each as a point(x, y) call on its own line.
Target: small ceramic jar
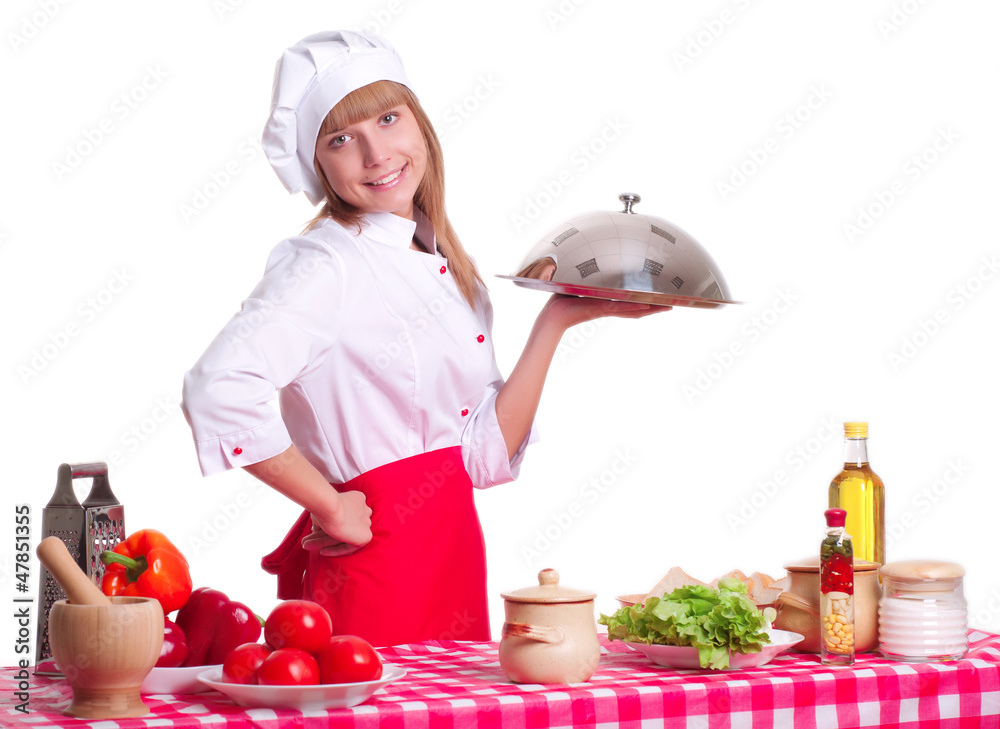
point(798, 606)
point(923, 614)
point(549, 633)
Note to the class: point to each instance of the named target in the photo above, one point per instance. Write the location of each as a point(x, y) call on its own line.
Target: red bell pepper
point(147, 564)
point(214, 626)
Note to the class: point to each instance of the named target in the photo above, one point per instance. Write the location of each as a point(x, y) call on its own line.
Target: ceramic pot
point(798, 606)
point(549, 633)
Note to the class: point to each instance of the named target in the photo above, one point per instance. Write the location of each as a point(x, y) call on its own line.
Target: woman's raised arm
point(517, 401)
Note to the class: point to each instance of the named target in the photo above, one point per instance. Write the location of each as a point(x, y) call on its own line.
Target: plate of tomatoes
point(304, 698)
point(301, 664)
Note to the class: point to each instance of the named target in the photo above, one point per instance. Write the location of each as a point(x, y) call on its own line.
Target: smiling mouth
point(391, 177)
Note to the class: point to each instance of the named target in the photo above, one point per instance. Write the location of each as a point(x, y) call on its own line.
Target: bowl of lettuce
point(717, 628)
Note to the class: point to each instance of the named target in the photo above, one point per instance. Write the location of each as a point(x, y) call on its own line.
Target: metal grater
point(86, 529)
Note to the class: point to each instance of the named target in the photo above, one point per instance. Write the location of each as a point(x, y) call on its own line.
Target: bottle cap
point(835, 517)
point(856, 430)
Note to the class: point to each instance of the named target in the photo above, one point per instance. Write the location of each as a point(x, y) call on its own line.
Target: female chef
point(375, 329)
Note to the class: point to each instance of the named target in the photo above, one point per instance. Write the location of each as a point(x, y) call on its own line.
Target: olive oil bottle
point(860, 492)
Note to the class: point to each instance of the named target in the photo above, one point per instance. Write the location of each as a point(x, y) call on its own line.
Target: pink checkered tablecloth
point(451, 684)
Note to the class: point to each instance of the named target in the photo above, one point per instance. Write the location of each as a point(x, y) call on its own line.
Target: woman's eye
point(339, 140)
point(390, 117)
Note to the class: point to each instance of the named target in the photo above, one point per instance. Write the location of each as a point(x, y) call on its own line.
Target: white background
point(699, 438)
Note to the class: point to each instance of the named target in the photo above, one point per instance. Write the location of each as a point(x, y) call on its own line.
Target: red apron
point(422, 576)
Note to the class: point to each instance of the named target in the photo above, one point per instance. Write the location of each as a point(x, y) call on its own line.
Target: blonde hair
point(375, 99)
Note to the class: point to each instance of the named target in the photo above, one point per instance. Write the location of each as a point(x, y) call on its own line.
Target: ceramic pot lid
point(548, 590)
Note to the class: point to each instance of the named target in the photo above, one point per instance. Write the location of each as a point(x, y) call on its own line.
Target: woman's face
point(376, 164)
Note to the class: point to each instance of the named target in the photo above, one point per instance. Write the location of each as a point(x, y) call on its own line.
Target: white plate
point(303, 698)
point(181, 680)
point(673, 656)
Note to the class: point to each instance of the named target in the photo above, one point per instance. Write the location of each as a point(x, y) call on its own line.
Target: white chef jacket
point(374, 351)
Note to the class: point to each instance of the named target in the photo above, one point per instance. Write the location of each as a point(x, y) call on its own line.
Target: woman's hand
point(341, 522)
point(343, 532)
point(564, 311)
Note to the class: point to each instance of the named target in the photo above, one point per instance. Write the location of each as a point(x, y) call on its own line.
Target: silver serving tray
point(624, 256)
point(598, 292)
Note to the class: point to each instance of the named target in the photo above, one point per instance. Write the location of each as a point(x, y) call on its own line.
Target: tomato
point(243, 661)
point(175, 648)
point(288, 667)
point(348, 659)
point(298, 624)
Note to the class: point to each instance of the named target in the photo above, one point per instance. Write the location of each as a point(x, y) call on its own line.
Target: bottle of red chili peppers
point(836, 574)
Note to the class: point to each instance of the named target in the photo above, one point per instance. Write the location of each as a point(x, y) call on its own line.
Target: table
point(460, 684)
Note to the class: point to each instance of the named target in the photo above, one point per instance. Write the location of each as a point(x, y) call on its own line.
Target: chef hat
point(311, 78)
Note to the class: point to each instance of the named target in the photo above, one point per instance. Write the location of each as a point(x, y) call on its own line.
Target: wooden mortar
point(104, 646)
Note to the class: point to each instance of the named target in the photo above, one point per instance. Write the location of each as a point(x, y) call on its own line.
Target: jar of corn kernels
point(836, 592)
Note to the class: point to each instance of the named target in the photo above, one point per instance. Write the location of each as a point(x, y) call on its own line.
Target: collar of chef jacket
point(396, 231)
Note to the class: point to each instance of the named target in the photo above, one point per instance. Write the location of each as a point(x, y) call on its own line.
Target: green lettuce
point(715, 621)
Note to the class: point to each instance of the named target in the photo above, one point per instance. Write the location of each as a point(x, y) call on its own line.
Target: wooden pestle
point(74, 581)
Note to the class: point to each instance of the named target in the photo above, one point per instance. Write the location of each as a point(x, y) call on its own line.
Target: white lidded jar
point(922, 614)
